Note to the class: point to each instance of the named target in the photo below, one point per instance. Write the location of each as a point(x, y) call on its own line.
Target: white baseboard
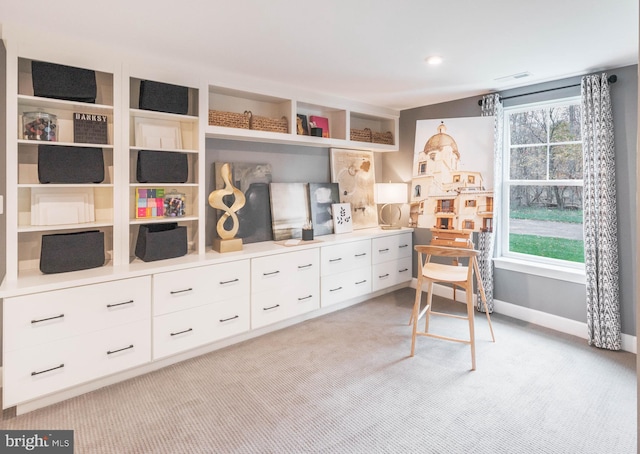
point(564, 325)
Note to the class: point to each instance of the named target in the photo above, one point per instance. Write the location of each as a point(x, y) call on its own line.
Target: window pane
point(528, 127)
point(566, 162)
point(528, 163)
point(546, 221)
point(565, 124)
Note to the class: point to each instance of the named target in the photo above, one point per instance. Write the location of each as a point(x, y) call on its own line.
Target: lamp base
point(390, 227)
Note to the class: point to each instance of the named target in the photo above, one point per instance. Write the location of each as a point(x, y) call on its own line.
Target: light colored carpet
point(344, 383)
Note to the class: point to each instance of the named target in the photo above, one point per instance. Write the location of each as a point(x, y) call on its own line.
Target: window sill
point(561, 273)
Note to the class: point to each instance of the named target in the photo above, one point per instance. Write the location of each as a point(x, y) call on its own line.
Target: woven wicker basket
point(361, 135)
point(383, 137)
point(230, 119)
point(270, 124)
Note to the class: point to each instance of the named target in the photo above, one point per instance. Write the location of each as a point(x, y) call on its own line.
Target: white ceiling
point(371, 51)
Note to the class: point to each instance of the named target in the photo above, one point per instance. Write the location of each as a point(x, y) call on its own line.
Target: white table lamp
point(390, 194)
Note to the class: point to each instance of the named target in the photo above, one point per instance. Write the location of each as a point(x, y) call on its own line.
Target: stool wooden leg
point(483, 297)
point(427, 314)
point(472, 334)
point(418, 298)
point(414, 317)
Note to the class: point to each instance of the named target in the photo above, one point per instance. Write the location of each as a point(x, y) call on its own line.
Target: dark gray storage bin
point(70, 165)
point(63, 252)
point(162, 167)
point(63, 82)
point(161, 241)
point(161, 97)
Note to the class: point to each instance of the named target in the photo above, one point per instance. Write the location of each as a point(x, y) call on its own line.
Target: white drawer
point(391, 273)
point(120, 348)
point(341, 287)
point(274, 272)
point(339, 258)
point(304, 296)
point(45, 317)
point(391, 247)
point(184, 289)
point(191, 328)
point(268, 307)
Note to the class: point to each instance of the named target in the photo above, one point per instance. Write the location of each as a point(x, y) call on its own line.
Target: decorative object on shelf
point(289, 209)
point(162, 97)
point(361, 135)
point(307, 231)
point(302, 127)
point(227, 241)
point(159, 134)
point(149, 203)
point(62, 206)
point(342, 220)
point(321, 197)
point(90, 128)
point(254, 217)
point(161, 241)
point(55, 81)
point(153, 166)
point(230, 119)
point(70, 165)
point(63, 252)
point(353, 171)
point(320, 122)
point(40, 126)
point(315, 132)
point(174, 204)
point(382, 137)
point(280, 125)
point(390, 194)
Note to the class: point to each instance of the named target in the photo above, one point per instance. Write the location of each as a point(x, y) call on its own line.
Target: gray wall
point(553, 296)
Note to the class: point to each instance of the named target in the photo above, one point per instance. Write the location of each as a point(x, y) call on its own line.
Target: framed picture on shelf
point(90, 128)
point(158, 134)
point(353, 171)
point(302, 126)
point(342, 220)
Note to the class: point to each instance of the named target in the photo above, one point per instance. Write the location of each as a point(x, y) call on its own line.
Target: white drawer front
point(274, 272)
point(43, 369)
point(304, 296)
point(184, 289)
point(341, 287)
point(404, 269)
point(45, 317)
point(191, 328)
point(344, 257)
point(391, 273)
point(120, 348)
point(268, 307)
point(391, 247)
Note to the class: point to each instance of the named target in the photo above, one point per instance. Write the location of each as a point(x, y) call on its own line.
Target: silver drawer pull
point(361, 282)
point(120, 304)
point(182, 332)
point(383, 250)
point(111, 352)
point(384, 275)
point(335, 260)
point(403, 245)
point(305, 298)
point(269, 308)
point(305, 266)
point(174, 292)
point(270, 273)
point(47, 370)
point(402, 271)
point(229, 282)
point(335, 289)
point(361, 255)
point(45, 319)
point(222, 320)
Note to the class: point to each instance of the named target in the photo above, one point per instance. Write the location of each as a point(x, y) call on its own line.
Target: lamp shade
point(390, 193)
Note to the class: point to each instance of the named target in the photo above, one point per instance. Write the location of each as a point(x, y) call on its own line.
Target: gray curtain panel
point(491, 106)
point(600, 217)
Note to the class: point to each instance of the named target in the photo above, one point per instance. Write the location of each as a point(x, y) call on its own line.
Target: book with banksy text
point(90, 128)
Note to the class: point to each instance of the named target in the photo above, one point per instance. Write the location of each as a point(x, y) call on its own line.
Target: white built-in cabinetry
point(66, 331)
point(391, 261)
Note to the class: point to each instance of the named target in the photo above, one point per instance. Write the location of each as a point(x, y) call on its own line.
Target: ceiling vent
point(517, 76)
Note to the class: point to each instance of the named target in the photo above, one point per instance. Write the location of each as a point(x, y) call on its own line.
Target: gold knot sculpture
point(227, 241)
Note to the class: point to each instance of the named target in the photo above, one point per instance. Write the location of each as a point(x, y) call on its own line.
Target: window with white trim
point(542, 183)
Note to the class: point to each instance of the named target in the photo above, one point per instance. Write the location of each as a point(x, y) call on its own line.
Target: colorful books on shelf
point(320, 122)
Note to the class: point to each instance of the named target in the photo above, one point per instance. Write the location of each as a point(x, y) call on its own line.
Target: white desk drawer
point(391, 273)
point(341, 287)
point(274, 272)
point(46, 317)
point(184, 289)
point(391, 247)
point(344, 257)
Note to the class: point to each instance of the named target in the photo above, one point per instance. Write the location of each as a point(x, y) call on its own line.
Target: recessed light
point(434, 60)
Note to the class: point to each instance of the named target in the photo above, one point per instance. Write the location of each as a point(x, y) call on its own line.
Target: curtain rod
point(611, 79)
